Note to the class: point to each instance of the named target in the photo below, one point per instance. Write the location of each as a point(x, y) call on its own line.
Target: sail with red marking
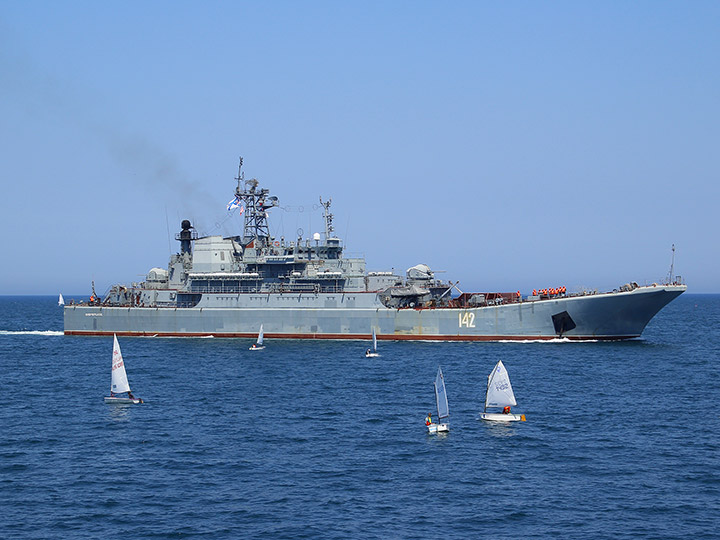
point(119, 382)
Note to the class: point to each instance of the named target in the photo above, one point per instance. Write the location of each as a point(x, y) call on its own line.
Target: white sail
point(440, 396)
point(374, 340)
point(260, 336)
point(61, 300)
point(119, 382)
point(499, 390)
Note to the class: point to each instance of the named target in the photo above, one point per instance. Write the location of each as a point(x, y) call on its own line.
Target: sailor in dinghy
point(499, 394)
point(119, 381)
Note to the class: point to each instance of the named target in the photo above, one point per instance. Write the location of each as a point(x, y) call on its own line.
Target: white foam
point(553, 340)
point(31, 333)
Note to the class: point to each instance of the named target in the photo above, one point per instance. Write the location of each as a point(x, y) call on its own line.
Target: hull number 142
point(466, 319)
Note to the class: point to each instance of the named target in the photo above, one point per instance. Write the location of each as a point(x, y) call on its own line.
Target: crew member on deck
point(428, 420)
point(506, 409)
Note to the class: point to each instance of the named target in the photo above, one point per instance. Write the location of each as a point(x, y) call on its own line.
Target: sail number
point(466, 319)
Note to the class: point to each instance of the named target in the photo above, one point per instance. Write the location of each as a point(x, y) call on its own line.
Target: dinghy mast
point(487, 387)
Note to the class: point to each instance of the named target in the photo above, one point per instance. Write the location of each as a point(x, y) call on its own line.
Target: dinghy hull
point(122, 401)
point(500, 417)
point(438, 428)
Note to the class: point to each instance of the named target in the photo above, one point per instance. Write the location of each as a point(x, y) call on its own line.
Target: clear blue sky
point(512, 145)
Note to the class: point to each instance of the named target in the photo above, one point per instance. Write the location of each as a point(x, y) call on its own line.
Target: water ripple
point(312, 440)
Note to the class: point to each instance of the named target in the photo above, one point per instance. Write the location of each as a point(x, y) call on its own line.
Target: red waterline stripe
point(385, 337)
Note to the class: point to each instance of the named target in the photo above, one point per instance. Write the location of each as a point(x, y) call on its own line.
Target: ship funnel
point(186, 237)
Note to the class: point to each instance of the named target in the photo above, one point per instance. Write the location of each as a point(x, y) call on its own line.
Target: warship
point(306, 288)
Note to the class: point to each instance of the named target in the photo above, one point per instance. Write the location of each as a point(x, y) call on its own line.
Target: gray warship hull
point(604, 316)
point(307, 288)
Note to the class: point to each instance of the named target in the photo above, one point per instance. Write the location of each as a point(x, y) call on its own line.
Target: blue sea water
point(309, 439)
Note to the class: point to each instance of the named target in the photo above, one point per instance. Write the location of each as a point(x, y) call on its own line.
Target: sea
point(310, 439)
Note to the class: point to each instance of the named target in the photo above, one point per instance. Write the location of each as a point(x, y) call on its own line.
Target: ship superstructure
point(306, 288)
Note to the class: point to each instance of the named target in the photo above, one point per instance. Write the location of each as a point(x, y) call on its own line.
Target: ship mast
point(328, 217)
point(256, 202)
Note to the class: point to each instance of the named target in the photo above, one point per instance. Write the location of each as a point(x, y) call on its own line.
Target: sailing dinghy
point(119, 381)
point(499, 395)
point(442, 406)
point(258, 346)
point(61, 300)
point(372, 353)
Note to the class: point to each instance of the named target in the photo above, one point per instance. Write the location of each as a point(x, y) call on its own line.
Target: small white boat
point(258, 346)
point(61, 300)
point(119, 381)
point(499, 395)
point(372, 353)
point(441, 403)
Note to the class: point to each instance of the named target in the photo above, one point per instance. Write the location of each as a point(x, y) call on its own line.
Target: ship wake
point(30, 333)
point(553, 340)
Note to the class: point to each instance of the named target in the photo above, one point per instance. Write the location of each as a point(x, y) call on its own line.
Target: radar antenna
point(240, 177)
